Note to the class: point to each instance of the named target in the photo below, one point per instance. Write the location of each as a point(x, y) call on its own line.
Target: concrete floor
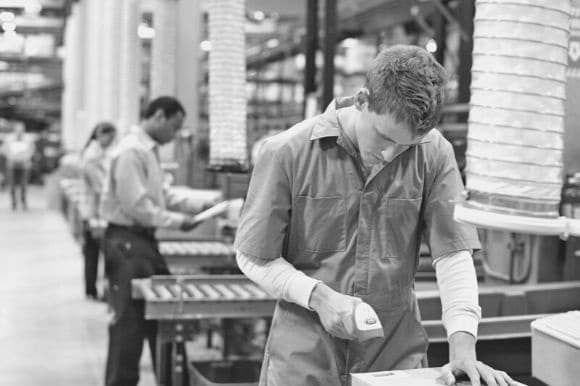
point(49, 333)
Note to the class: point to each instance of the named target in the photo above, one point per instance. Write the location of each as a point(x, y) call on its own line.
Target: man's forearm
point(279, 278)
point(189, 201)
point(458, 287)
point(147, 213)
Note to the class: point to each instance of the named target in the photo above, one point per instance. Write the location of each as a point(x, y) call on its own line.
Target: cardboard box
point(556, 349)
point(418, 377)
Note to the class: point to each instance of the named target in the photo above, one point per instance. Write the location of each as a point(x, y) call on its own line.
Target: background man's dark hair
point(169, 105)
point(407, 81)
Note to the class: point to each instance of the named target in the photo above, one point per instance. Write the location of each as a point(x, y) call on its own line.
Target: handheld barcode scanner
point(367, 323)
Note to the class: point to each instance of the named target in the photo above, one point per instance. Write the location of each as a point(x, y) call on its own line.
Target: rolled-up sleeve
point(443, 234)
point(131, 189)
point(189, 201)
point(266, 213)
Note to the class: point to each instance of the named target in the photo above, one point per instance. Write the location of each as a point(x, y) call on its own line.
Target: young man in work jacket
point(344, 197)
point(135, 202)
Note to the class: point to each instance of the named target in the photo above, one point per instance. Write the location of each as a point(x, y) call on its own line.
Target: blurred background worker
point(18, 151)
point(135, 203)
point(96, 158)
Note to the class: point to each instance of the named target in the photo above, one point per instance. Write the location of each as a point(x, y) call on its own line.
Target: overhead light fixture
point(205, 45)
point(259, 16)
point(6, 16)
point(273, 43)
point(145, 32)
point(431, 46)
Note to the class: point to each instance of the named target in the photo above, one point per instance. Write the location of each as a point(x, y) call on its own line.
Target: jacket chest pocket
point(400, 228)
point(320, 223)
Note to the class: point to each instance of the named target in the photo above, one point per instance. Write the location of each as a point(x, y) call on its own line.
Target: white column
point(164, 48)
point(190, 23)
point(93, 68)
point(74, 76)
point(130, 66)
point(164, 59)
point(111, 59)
point(70, 61)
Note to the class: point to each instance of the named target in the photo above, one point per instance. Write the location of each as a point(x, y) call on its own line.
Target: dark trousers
point(18, 177)
point(91, 251)
point(129, 254)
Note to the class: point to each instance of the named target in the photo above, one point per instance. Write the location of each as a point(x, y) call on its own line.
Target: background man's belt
point(138, 229)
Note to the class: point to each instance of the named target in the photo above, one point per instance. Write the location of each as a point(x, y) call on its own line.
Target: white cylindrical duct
point(516, 118)
point(129, 66)
point(227, 84)
point(164, 48)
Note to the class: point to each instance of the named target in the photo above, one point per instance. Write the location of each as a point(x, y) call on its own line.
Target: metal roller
point(211, 293)
point(241, 291)
point(193, 248)
point(181, 249)
point(194, 291)
point(255, 291)
point(228, 294)
point(162, 292)
point(177, 290)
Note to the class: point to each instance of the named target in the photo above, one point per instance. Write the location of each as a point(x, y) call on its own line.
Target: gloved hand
point(336, 311)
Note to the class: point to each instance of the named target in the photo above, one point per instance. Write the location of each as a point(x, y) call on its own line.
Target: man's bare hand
point(189, 223)
point(462, 360)
point(336, 311)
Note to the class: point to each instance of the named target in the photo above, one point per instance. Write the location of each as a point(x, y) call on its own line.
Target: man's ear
point(361, 99)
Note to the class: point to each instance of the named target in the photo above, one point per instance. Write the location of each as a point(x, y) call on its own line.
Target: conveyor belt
point(195, 248)
point(507, 311)
point(188, 257)
point(204, 296)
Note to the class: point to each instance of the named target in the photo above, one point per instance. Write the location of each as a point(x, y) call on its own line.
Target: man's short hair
point(169, 105)
point(407, 82)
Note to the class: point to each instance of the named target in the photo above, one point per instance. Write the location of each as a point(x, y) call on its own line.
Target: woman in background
point(95, 158)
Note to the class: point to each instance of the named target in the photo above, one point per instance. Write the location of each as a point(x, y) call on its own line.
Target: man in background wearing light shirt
point(18, 150)
point(135, 203)
point(334, 216)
